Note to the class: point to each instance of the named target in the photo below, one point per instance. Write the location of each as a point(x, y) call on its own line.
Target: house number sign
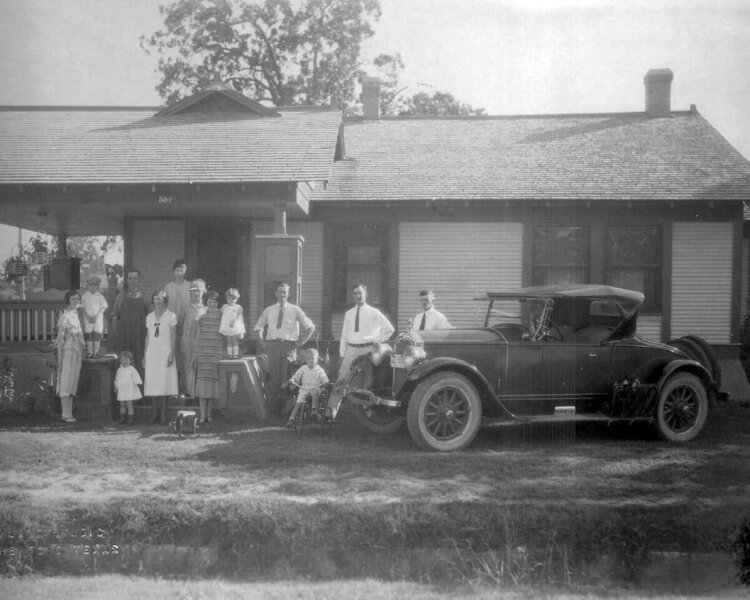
point(165, 199)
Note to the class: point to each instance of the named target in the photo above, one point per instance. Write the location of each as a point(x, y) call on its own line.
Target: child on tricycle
point(311, 380)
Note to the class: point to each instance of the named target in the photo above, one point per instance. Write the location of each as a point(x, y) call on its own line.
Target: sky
point(506, 56)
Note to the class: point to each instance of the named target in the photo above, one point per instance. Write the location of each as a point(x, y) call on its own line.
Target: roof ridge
point(676, 113)
point(61, 107)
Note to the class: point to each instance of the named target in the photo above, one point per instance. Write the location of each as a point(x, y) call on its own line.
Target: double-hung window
point(561, 254)
point(633, 261)
point(360, 256)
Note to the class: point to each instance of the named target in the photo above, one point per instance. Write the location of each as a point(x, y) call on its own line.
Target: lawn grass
point(263, 496)
point(115, 587)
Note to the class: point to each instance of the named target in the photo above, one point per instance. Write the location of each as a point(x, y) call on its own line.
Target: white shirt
point(433, 320)
point(373, 327)
point(291, 321)
point(308, 378)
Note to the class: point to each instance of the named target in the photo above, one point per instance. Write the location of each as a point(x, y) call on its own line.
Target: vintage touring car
point(552, 353)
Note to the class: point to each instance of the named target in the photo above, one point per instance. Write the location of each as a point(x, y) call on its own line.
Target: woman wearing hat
point(70, 345)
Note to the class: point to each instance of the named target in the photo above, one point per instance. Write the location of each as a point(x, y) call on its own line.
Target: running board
point(562, 418)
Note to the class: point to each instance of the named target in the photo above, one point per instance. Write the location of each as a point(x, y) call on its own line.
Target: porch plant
point(10, 399)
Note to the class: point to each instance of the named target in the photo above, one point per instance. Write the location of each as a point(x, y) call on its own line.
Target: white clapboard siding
point(459, 262)
point(156, 245)
point(702, 280)
point(311, 265)
point(649, 326)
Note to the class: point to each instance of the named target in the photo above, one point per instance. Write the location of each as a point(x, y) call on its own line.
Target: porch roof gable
point(65, 145)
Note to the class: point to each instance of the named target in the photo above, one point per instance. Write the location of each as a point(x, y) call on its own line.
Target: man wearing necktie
point(429, 318)
point(364, 325)
point(281, 328)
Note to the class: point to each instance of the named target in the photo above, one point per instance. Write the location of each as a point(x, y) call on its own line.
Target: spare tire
point(695, 351)
point(711, 355)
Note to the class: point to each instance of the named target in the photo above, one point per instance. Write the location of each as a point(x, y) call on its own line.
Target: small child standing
point(232, 325)
point(311, 378)
point(127, 381)
point(94, 305)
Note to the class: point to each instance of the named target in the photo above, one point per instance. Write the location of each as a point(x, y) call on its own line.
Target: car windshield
point(570, 318)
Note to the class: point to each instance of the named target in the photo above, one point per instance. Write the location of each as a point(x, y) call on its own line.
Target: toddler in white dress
point(127, 381)
point(232, 325)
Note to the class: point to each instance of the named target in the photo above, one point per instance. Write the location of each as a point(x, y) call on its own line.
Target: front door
point(214, 248)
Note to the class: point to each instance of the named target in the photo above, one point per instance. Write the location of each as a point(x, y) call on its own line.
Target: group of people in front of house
point(171, 345)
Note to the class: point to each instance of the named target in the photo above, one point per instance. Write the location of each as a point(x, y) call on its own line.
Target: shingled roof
point(133, 145)
point(592, 157)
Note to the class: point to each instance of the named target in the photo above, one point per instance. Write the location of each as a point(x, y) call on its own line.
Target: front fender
point(445, 363)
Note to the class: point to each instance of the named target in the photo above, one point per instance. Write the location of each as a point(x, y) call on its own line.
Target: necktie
point(421, 325)
point(356, 321)
point(280, 320)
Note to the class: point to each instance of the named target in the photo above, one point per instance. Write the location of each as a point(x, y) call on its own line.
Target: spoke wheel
point(682, 408)
point(382, 420)
point(302, 418)
point(444, 412)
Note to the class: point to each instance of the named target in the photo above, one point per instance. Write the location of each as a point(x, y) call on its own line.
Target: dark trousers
point(281, 357)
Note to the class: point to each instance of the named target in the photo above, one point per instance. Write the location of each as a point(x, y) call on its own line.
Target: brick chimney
point(658, 84)
point(371, 98)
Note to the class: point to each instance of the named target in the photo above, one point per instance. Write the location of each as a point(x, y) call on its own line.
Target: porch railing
point(29, 320)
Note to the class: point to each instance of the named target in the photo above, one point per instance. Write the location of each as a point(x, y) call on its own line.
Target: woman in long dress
point(209, 347)
point(70, 346)
point(159, 360)
point(190, 332)
point(178, 299)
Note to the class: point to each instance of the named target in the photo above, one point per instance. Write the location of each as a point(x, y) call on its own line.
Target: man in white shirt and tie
point(364, 325)
point(286, 328)
point(429, 318)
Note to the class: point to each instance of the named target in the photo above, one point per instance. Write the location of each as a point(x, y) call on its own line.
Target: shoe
point(154, 419)
point(69, 420)
point(290, 424)
point(122, 420)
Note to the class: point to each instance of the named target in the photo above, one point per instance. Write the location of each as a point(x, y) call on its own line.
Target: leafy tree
point(284, 51)
point(90, 249)
point(30, 257)
point(389, 67)
point(439, 104)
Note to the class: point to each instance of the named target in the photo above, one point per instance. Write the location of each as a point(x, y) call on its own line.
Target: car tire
point(376, 419)
point(444, 412)
point(682, 408)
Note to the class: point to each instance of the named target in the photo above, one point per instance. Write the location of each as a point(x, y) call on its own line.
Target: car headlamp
point(412, 355)
point(379, 352)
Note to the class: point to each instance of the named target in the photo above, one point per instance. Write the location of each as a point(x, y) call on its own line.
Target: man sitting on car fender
point(364, 325)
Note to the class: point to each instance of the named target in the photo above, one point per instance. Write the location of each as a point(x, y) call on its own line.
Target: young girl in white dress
point(232, 325)
point(127, 381)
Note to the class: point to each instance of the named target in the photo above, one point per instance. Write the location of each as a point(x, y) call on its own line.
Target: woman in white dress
point(159, 357)
point(70, 345)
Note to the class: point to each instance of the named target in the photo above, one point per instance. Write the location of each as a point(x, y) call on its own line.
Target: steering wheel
point(552, 328)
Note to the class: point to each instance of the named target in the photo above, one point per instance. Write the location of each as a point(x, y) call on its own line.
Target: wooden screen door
point(214, 256)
